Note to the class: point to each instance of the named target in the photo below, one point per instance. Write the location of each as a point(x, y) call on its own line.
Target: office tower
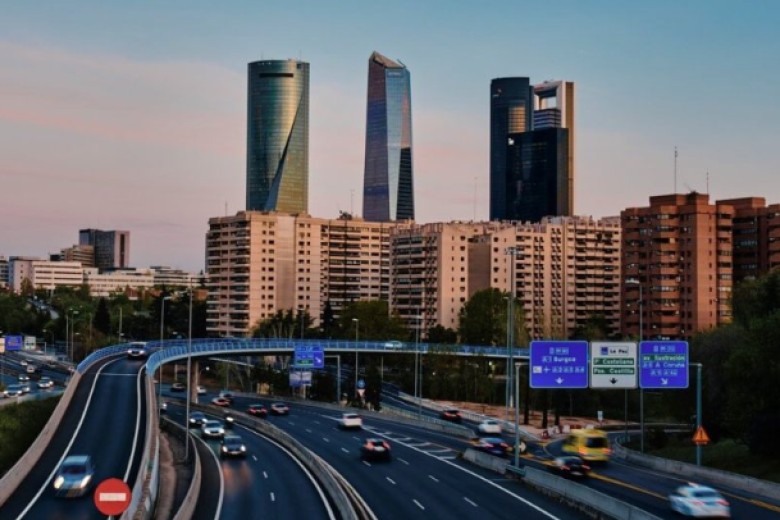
point(112, 248)
point(277, 152)
point(537, 163)
point(511, 112)
point(677, 266)
point(388, 182)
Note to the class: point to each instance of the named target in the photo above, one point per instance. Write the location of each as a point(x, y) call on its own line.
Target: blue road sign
point(361, 384)
point(309, 357)
point(663, 364)
point(13, 343)
point(559, 364)
point(299, 378)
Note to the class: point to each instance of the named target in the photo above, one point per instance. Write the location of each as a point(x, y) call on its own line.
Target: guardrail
point(321, 471)
point(687, 471)
point(146, 484)
point(101, 354)
point(24, 465)
point(187, 507)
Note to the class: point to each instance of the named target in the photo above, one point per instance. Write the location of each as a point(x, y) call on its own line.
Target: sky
point(132, 115)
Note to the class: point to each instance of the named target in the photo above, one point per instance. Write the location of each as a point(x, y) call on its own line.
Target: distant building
point(756, 237)
point(4, 274)
point(114, 281)
point(677, 266)
point(83, 254)
point(43, 274)
point(277, 164)
point(112, 248)
point(388, 182)
point(170, 277)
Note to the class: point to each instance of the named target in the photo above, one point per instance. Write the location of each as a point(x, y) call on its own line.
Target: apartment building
point(105, 283)
point(756, 237)
point(677, 266)
point(169, 277)
point(259, 262)
point(43, 274)
point(3, 272)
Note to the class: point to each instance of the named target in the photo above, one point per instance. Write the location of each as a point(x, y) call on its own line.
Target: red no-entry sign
point(112, 497)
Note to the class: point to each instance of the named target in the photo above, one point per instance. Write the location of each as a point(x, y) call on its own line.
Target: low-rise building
point(113, 281)
point(170, 277)
point(3, 272)
point(43, 274)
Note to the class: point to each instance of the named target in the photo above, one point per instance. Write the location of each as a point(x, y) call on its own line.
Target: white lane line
point(390, 480)
point(367, 463)
point(291, 423)
point(218, 513)
point(265, 475)
point(254, 458)
point(137, 426)
point(444, 450)
point(273, 497)
point(470, 502)
point(345, 450)
point(326, 439)
point(448, 457)
point(314, 482)
point(433, 478)
point(70, 444)
point(356, 438)
point(308, 430)
point(419, 504)
point(317, 422)
point(404, 461)
point(418, 445)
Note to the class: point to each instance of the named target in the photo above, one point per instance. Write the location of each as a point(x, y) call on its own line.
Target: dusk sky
point(131, 115)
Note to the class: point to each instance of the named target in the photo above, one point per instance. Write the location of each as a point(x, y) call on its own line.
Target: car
point(451, 414)
point(375, 449)
point(74, 476)
point(178, 387)
point(229, 420)
point(32, 369)
point(280, 409)
point(23, 362)
point(23, 378)
point(570, 467)
point(197, 419)
point(137, 353)
point(699, 501)
point(164, 406)
point(394, 345)
point(13, 391)
point(257, 410)
point(202, 390)
point(212, 429)
point(220, 401)
point(227, 395)
point(350, 420)
point(45, 382)
point(232, 446)
point(494, 446)
point(25, 388)
point(590, 445)
point(489, 426)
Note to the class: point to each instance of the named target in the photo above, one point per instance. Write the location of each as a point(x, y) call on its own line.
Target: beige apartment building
point(43, 274)
point(260, 262)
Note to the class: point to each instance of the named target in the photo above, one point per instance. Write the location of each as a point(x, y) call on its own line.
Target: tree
point(285, 324)
point(443, 335)
point(595, 328)
point(375, 323)
point(329, 325)
point(103, 317)
point(27, 289)
point(483, 320)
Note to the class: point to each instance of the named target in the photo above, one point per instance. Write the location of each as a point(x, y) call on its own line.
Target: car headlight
point(59, 482)
point(224, 448)
point(129, 351)
point(85, 481)
point(243, 448)
point(220, 431)
point(229, 419)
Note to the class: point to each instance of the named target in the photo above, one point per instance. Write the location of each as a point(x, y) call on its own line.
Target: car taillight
point(607, 450)
point(586, 468)
point(370, 445)
point(504, 445)
point(488, 445)
point(386, 445)
point(698, 503)
point(565, 468)
point(722, 502)
point(583, 450)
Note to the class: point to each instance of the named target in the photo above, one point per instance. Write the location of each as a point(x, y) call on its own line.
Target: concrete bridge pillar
point(192, 391)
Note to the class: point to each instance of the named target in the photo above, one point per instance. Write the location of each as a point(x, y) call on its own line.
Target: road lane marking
point(367, 463)
point(308, 430)
point(345, 450)
point(356, 438)
point(265, 475)
point(325, 439)
point(137, 426)
point(291, 423)
point(402, 460)
point(254, 458)
point(433, 478)
point(317, 422)
point(759, 503)
point(470, 502)
point(390, 480)
point(273, 497)
point(627, 485)
point(419, 504)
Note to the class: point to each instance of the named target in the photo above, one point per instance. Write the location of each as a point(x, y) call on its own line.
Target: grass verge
point(20, 425)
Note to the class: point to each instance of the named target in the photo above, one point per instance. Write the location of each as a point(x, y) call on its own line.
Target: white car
point(24, 378)
point(201, 390)
point(23, 362)
point(489, 426)
point(137, 352)
point(13, 391)
point(394, 345)
point(699, 501)
point(45, 382)
point(212, 430)
point(31, 369)
point(350, 420)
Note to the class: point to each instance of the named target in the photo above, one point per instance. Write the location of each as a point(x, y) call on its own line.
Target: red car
point(279, 409)
point(257, 410)
point(451, 414)
point(220, 401)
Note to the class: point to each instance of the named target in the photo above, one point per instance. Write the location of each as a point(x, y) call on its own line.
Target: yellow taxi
point(592, 445)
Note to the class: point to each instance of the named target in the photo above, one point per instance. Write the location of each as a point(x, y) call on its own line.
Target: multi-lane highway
point(425, 478)
point(269, 480)
point(107, 421)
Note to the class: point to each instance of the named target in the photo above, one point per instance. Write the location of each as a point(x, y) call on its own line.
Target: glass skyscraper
point(388, 187)
point(277, 152)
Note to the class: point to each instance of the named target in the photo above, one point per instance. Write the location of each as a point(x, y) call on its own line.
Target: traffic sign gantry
point(309, 357)
point(559, 364)
point(663, 364)
point(112, 497)
point(613, 365)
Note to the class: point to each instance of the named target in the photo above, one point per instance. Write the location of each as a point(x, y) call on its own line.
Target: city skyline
point(131, 124)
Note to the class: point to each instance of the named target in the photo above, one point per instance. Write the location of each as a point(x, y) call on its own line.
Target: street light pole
point(72, 328)
point(512, 252)
point(356, 321)
point(517, 414)
point(698, 409)
point(641, 390)
point(162, 337)
point(418, 368)
point(189, 381)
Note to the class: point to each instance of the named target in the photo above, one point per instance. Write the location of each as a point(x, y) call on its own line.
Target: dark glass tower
point(538, 168)
point(277, 151)
point(511, 112)
point(388, 187)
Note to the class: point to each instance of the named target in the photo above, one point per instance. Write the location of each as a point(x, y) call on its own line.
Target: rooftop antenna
point(226, 209)
point(708, 183)
point(675, 169)
point(475, 199)
point(351, 202)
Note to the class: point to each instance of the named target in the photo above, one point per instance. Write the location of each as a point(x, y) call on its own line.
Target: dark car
point(197, 419)
point(178, 387)
point(280, 409)
point(257, 410)
point(375, 449)
point(494, 446)
point(570, 467)
point(232, 446)
point(137, 353)
point(228, 420)
point(451, 414)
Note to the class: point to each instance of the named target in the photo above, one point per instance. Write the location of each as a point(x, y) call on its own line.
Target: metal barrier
point(101, 354)
point(146, 483)
point(187, 508)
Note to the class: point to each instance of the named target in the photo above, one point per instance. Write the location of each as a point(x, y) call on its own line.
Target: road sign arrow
point(559, 380)
point(664, 381)
point(613, 380)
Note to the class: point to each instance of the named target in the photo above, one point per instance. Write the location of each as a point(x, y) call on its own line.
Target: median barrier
point(144, 492)
point(324, 474)
point(24, 465)
point(688, 471)
point(187, 507)
point(595, 504)
point(486, 460)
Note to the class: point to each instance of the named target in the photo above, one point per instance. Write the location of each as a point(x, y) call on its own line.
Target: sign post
point(559, 364)
point(613, 365)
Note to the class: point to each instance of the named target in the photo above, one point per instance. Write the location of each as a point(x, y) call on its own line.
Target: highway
point(105, 420)
point(269, 481)
point(424, 480)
